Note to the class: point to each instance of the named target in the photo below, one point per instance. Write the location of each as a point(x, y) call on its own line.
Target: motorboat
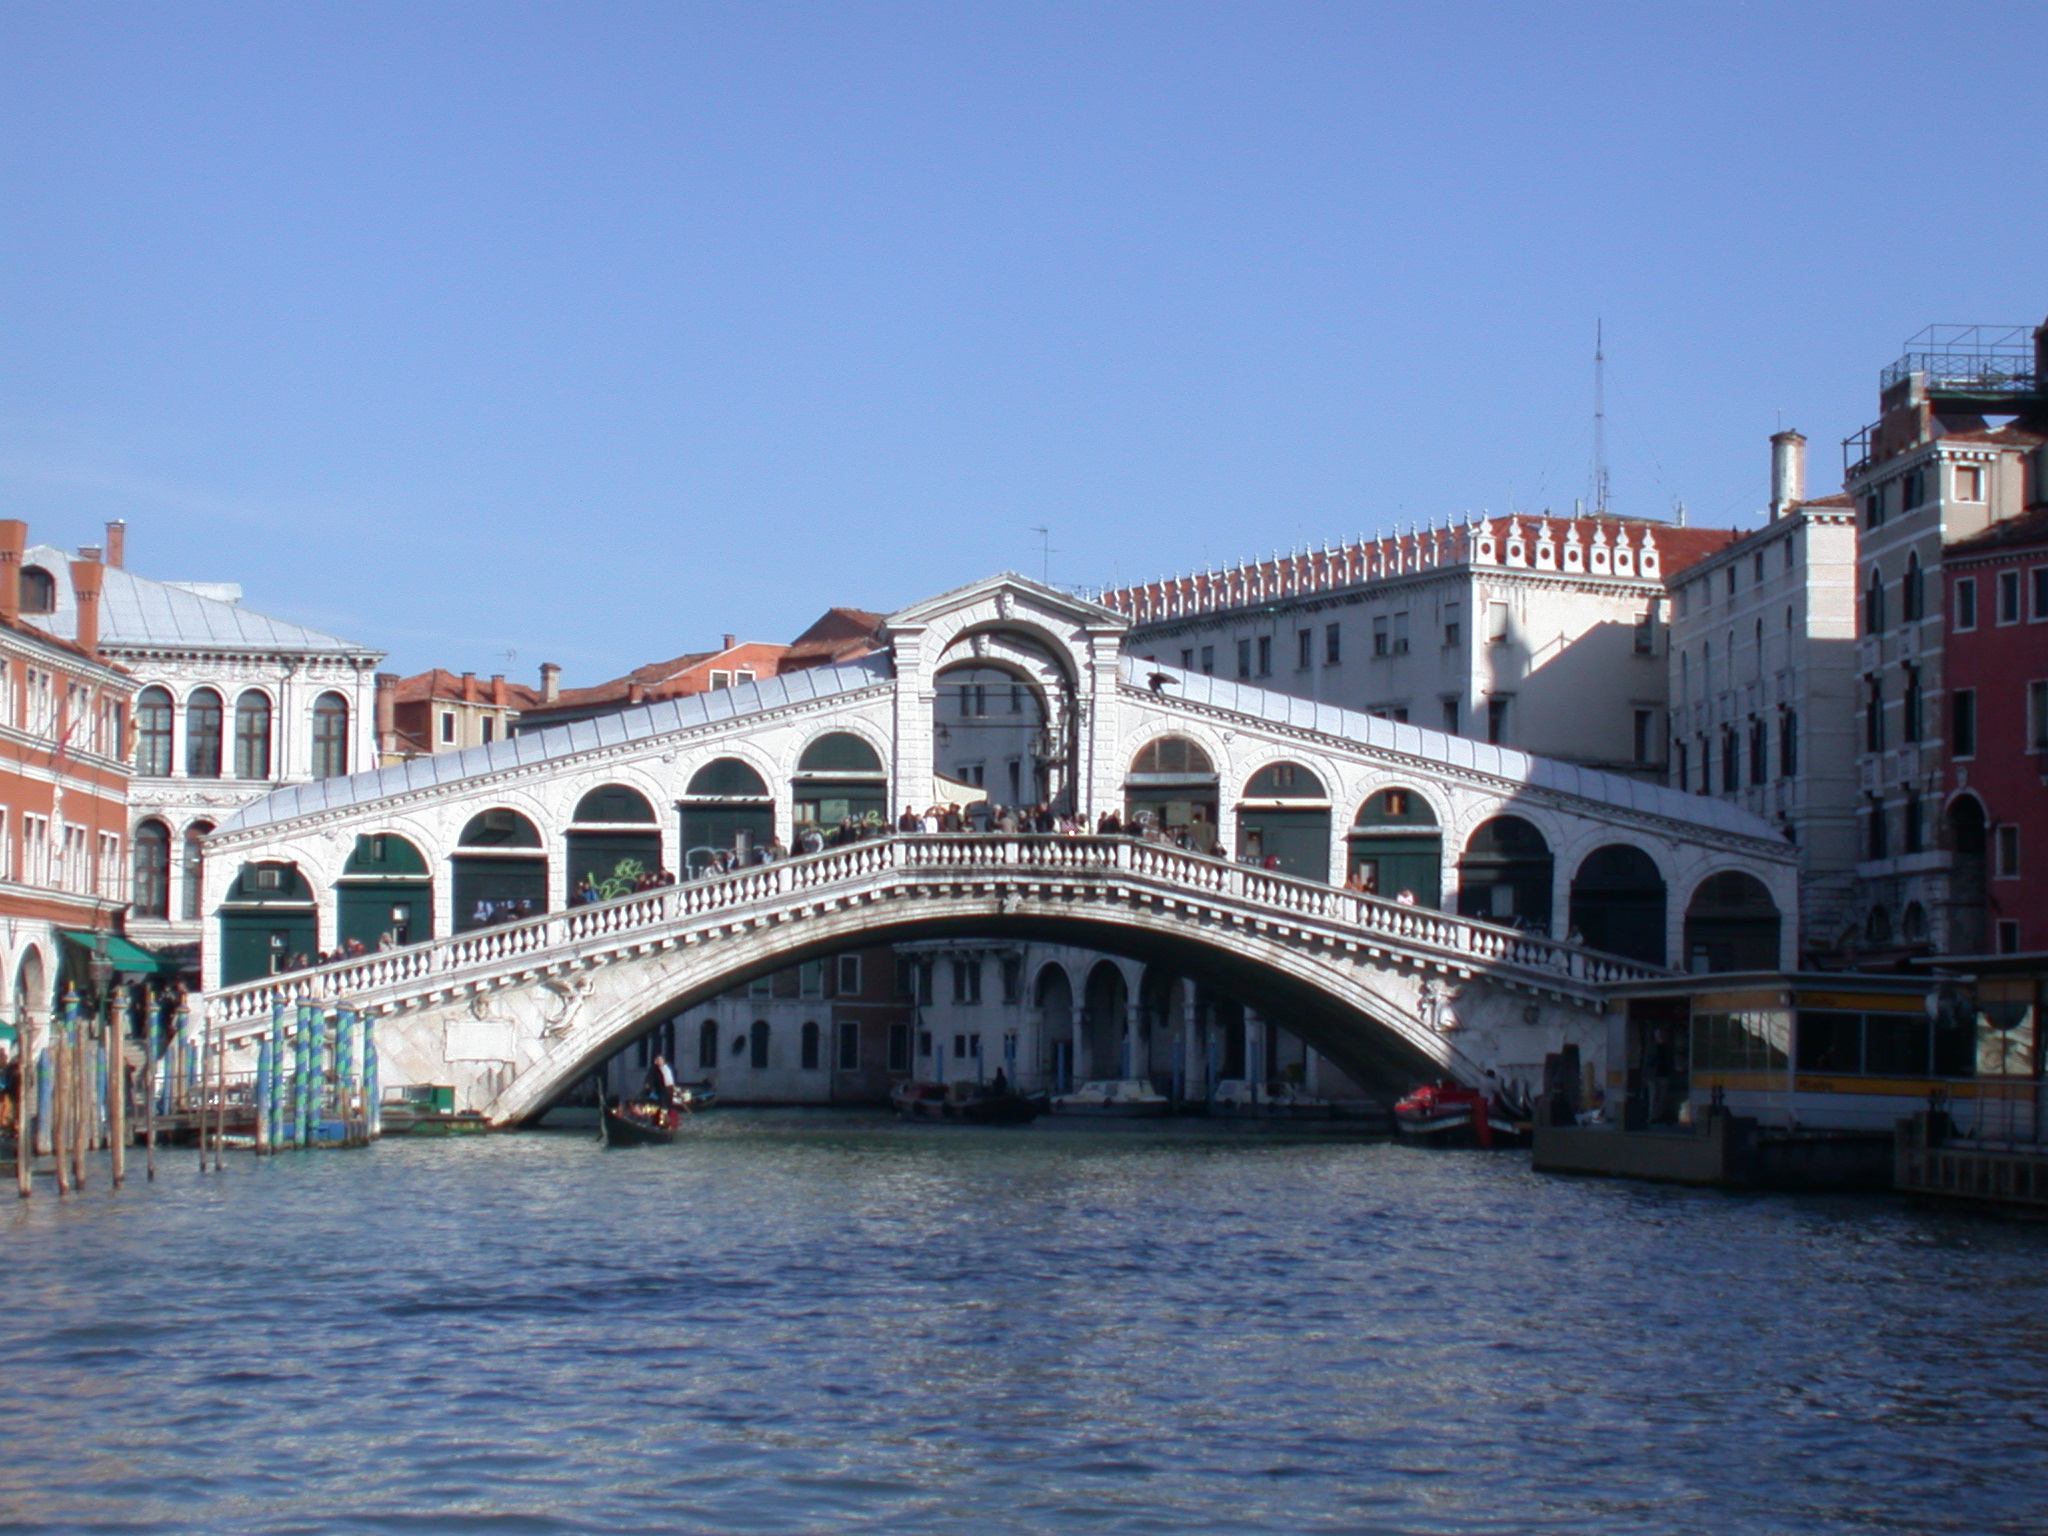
point(1267, 1101)
point(966, 1103)
point(1447, 1113)
point(1113, 1096)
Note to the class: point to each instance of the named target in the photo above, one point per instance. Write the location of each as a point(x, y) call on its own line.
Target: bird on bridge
point(1157, 681)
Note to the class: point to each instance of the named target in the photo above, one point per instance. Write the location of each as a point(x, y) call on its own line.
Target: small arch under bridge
point(513, 1014)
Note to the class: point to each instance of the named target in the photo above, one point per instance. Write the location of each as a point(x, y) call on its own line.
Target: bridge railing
point(543, 939)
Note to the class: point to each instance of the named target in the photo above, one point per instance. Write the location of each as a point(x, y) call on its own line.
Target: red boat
point(1448, 1114)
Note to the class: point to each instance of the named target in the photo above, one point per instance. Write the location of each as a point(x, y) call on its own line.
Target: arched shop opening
point(1505, 873)
point(612, 841)
point(267, 923)
point(501, 874)
point(1618, 903)
point(839, 776)
point(1283, 822)
point(988, 737)
point(385, 893)
point(726, 809)
point(1731, 924)
point(1173, 782)
point(1106, 1013)
point(1396, 846)
point(1054, 998)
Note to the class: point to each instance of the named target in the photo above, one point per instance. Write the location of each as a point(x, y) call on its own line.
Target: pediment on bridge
point(1008, 596)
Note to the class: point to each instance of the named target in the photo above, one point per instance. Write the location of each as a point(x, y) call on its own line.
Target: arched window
point(1913, 925)
point(38, 590)
point(727, 777)
point(839, 752)
point(1877, 928)
point(153, 733)
point(330, 736)
point(1873, 603)
point(614, 803)
point(252, 735)
point(195, 858)
point(202, 734)
point(1910, 604)
point(707, 1046)
point(1173, 754)
point(757, 1045)
point(152, 893)
point(810, 1046)
point(499, 829)
point(1284, 781)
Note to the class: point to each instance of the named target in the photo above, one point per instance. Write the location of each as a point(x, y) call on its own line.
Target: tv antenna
point(1045, 554)
point(1599, 420)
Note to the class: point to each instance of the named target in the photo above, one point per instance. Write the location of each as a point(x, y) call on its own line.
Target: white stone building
point(230, 705)
point(1762, 676)
point(1540, 633)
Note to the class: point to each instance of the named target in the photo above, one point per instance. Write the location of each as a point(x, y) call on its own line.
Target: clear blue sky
point(593, 331)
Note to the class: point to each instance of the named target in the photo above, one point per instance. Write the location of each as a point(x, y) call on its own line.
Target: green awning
point(126, 956)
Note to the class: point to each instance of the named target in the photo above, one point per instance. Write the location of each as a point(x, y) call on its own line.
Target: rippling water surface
point(824, 1324)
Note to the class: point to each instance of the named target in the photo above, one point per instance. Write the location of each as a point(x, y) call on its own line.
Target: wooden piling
point(117, 1083)
point(149, 1049)
point(24, 1112)
point(220, 1097)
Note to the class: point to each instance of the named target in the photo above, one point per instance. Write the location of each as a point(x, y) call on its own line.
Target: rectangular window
point(1788, 743)
point(447, 728)
point(2040, 593)
point(1209, 659)
point(721, 680)
point(1731, 762)
point(2006, 839)
point(1880, 841)
point(743, 677)
point(1646, 720)
point(2008, 936)
point(1912, 489)
point(1400, 634)
point(959, 1047)
point(1244, 658)
point(807, 1049)
point(924, 1042)
point(1496, 623)
point(899, 1047)
point(1497, 720)
point(1381, 635)
point(2008, 597)
point(1966, 603)
point(761, 986)
point(810, 979)
point(2037, 717)
point(490, 729)
point(1909, 819)
point(849, 1046)
point(1680, 768)
point(1265, 655)
point(1333, 645)
point(1969, 482)
point(1731, 583)
point(967, 981)
point(1304, 648)
point(1873, 717)
point(1873, 509)
point(1451, 717)
point(1759, 752)
point(1646, 635)
point(1187, 660)
point(847, 982)
point(1013, 979)
point(1962, 737)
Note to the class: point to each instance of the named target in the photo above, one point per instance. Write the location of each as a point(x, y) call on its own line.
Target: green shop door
point(1300, 840)
point(611, 859)
point(402, 908)
point(1395, 864)
point(255, 944)
point(712, 829)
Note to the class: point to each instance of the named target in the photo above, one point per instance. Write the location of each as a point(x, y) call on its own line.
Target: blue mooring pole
point(373, 1103)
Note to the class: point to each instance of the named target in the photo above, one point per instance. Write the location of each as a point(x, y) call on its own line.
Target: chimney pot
point(117, 544)
point(85, 595)
point(387, 711)
point(13, 542)
point(635, 692)
point(498, 689)
point(550, 682)
point(469, 687)
point(1788, 472)
point(730, 642)
point(91, 552)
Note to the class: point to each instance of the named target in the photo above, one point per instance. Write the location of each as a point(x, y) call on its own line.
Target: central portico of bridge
point(1488, 863)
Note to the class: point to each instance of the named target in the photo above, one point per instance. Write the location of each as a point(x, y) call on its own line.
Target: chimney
point(1788, 472)
point(117, 545)
point(636, 693)
point(13, 541)
point(91, 552)
point(387, 712)
point(550, 682)
point(730, 642)
point(498, 689)
point(469, 687)
point(85, 593)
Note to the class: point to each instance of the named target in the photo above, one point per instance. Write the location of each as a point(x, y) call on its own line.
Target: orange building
point(64, 721)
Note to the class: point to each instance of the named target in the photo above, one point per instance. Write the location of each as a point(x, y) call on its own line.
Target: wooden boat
point(966, 1103)
point(1448, 1114)
point(637, 1123)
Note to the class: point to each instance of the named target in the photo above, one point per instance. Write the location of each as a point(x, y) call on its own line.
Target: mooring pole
point(27, 1090)
point(152, 1040)
point(117, 1082)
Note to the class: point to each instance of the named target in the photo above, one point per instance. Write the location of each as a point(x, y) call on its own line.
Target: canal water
point(829, 1323)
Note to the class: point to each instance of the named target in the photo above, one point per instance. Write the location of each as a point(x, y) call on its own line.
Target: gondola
point(637, 1123)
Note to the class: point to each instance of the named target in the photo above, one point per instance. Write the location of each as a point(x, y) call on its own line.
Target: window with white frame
point(721, 680)
point(42, 703)
point(847, 982)
point(2037, 716)
point(6, 847)
point(35, 849)
point(1969, 482)
point(110, 870)
point(76, 873)
point(2008, 597)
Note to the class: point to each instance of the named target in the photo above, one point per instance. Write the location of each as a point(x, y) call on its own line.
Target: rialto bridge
point(1499, 892)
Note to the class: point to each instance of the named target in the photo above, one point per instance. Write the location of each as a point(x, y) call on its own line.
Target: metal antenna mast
point(1599, 420)
point(1045, 554)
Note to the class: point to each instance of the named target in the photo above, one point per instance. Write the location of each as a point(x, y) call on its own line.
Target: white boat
point(1274, 1101)
point(1113, 1096)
